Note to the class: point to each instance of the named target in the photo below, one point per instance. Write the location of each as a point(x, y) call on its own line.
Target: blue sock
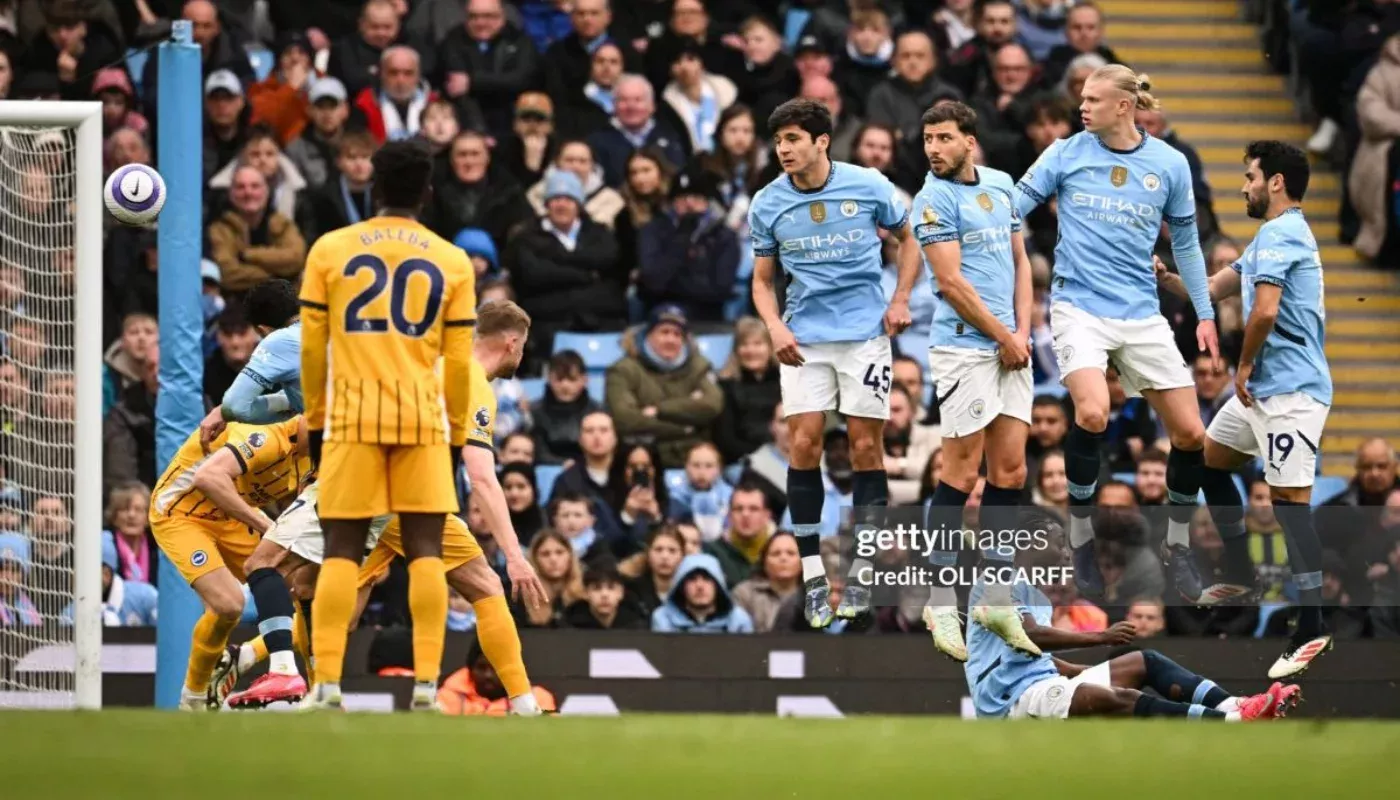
point(1305, 558)
point(870, 495)
point(999, 514)
point(1082, 456)
point(1149, 706)
point(274, 608)
point(1227, 510)
point(1175, 682)
point(1183, 486)
point(805, 498)
point(944, 517)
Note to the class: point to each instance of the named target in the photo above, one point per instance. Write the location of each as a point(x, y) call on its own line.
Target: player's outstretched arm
point(246, 401)
point(1051, 638)
point(765, 302)
point(215, 478)
point(1223, 284)
point(481, 470)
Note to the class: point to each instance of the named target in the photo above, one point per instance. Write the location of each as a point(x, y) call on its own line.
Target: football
point(135, 194)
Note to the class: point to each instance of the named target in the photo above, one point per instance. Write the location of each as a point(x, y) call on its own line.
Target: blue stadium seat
point(1129, 478)
point(732, 473)
point(545, 476)
point(715, 347)
point(598, 350)
point(1267, 610)
point(597, 388)
point(136, 66)
point(1327, 487)
point(533, 388)
point(915, 346)
point(675, 478)
point(927, 401)
point(1052, 389)
point(262, 60)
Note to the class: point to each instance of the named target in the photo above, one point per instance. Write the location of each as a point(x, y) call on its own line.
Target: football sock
point(331, 612)
point(870, 494)
point(500, 641)
point(1183, 485)
point(1082, 474)
point(206, 645)
point(944, 519)
point(1175, 682)
point(427, 603)
point(1149, 706)
point(304, 625)
point(1305, 558)
point(999, 514)
point(1227, 510)
point(274, 618)
point(805, 498)
point(250, 653)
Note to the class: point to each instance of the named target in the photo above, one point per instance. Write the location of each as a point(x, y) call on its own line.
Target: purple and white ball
point(135, 194)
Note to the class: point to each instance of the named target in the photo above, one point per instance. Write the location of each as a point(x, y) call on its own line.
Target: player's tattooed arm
point(765, 302)
point(215, 478)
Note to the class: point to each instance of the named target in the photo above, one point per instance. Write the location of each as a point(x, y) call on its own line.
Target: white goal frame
point(86, 119)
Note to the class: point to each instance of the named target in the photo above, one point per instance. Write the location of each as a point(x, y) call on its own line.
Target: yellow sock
point(500, 641)
point(330, 616)
point(259, 649)
point(427, 602)
point(301, 642)
point(206, 645)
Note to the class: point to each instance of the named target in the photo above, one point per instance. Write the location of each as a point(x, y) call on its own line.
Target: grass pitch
point(151, 754)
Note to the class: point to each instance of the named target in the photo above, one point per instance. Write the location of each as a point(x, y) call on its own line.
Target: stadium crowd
point(597, 163)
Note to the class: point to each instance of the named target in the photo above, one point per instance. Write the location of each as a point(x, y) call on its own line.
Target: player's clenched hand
point(525, 583)
point(1159, 268)
point(211, 427)
point(1120, 633)
point(785, 346)
point(1242, 374)
point(1209, 341)
point(897, 318)
point(1015, 351)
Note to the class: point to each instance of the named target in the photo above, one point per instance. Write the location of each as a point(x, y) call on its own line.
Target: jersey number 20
point(398, 296)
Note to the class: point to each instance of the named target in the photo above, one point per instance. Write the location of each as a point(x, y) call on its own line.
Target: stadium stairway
point(1207, 69)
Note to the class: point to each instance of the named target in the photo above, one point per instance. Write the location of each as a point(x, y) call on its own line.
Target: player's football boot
point(1182, 572)
point(1006, 623)
point(271, 688)
point(193, 701)
point(816, 604)
point(855, 600)
point(1287, 696)
point(1299, 656)
point(226, 675)
point(1259, 706)
point(322, 697)
point(1224, 593)
point(1087, 578)
point(945, 624)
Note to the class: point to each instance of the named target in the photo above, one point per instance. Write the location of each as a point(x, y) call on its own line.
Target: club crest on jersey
point(1119, 176)
point(199, 558)
point(930, 216)
point(985, 201)
point(256, 439)
point(849, 208)
point(1151, 182)
point(483, 417)
point(818, 211)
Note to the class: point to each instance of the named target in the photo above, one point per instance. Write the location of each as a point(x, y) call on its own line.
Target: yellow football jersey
point(382, 300)
point(272, 471)
point(482, 429)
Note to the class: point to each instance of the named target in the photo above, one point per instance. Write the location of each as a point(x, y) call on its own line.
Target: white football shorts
point(973, 389)
point(1284, 430)
point(1050, 698)
point(298, 529)
point(850, 377)
point(1143, 350)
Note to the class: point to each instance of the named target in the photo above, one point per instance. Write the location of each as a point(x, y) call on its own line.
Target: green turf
point(150, 754)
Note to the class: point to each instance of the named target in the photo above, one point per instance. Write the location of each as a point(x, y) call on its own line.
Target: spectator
point(1214, 386)
point(112, 86)
point(1135, 566)
point(1051, 486)
point(777, 577)
point(1072, 612)
point(51, 554)
point(702, 497)
point(907, 447)
point(998, 104)
point(129, 433)
point(699, 602)
point(251, 242)
point(531, 144)
point(129, 260)
point(471, 194)
point(1158, 126)
point(648, 186)
point(476, 689)
point(1049, 427)
point(634, 125)
point(438, 126)
point(663, 388)
point(477, 244)
point(564, 270)
point(953, 26)
point(845, 126)
point(73, 49)
point(236, 340)
point(596, 105)
point(571, 515)
point(1268, 545)
point(906, 371)
point(689, 26)
point(1385, 607)
point(1084, 34)
point(865, 59)
point(392, 107)
point(604, 605)
point(126, 357)
point(566, 62)
point(970, 66)
point(356, 60)
point(748, 383)
point(284, 181)
point(522, 499)
point(559, 415)
point(736, 162)
point(7, 75)
point(1375, 167)
point(1041, 24)
point(639, 496)
point(124, 602)
point(519, 448)
point(767, 466)
point(769, 78)
point(811, 59)
point(1148, 616)
point(219, 51)
point(346, 198)
point(652, 572)
point(281, 100)
point(593, 474)
point(1071, 86)
point(900, 100)
point(698, 97)
point(17, 608)
point(552, 555)
point(315, 151)
point(750, 525)
point(124, 146)
point(875, 146)
point(226, 120)
point(601, 202)
point(1374, 478)
point(689, 256)
point(1150, 479)
point(490, 59)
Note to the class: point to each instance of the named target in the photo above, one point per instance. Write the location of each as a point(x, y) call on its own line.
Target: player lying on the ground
point(205, 516)
point(970, 235)
point(1283, 391)
point(1007, 683)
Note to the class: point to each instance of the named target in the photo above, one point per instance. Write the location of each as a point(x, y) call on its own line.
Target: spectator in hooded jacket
point(663, 388)
point(479, 247)
point(689, 256)
point(698, 601)
point(559, 415)
point(565, 271)
point(314, 151)
point(601, 202)
point(491, 60)
point(634, 125)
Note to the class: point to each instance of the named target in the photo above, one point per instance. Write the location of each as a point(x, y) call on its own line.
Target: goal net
point(51, 586)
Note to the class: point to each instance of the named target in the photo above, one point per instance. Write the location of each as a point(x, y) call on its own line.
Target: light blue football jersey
point(276, 367)
point(996, 674)
point(827, 242)
point(1293, 358)
point(1111, 206)
point(982, 217)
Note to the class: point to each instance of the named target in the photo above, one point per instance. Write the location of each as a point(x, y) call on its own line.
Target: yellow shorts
point(359, 481)
point(197, 547)
point(458, 547)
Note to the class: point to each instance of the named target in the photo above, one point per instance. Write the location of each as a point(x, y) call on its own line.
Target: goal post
point(51, 240)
